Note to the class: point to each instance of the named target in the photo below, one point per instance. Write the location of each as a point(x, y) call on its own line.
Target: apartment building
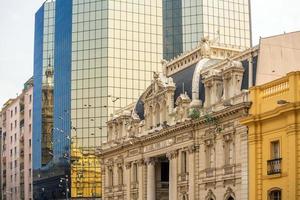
point(16, 122)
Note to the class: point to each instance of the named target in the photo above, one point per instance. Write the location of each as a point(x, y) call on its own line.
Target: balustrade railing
point(274, 166)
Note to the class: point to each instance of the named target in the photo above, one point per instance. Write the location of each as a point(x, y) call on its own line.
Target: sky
point(269, 17)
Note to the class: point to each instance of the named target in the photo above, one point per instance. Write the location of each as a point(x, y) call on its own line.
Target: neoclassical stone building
point(182, 140)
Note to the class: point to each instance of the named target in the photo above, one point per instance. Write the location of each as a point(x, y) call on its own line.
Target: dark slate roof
point(139, 109)
point(245, 63)
point(184, 77)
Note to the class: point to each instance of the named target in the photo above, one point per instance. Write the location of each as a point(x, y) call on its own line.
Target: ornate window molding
point(229, 193)
point(274, 191)
point(210, 195)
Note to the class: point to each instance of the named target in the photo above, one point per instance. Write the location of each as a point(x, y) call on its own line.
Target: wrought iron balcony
point(274, 166)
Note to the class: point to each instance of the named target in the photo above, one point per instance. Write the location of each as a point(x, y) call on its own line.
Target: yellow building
point(83, 169)
point(274, 139)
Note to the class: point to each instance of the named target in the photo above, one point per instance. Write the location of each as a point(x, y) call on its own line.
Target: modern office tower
point(16, 168)
point(43, 105)
point(223, 22)
point(103, 53)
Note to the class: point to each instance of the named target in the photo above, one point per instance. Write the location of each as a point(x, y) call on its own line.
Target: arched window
point(275, 194)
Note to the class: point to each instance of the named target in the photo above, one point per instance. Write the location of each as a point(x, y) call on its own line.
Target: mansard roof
point(189, 80)
point(184, 79)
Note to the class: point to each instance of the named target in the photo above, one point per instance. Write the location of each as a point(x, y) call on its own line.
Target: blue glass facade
point(51, 130)
point(172, 28)
point(62, 77)
point(37, 93)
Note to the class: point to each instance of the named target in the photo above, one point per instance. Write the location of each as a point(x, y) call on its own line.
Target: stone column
point(191, 170)
point(172, 156)
point(128, 181)
point(150, 179)
point(141, 165)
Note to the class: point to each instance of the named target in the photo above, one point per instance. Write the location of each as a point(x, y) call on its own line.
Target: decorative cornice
point(188, 125)
point(271, 114)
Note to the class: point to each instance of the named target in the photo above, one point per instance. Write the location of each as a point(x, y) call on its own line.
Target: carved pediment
point(210, 195)
point(159, 85)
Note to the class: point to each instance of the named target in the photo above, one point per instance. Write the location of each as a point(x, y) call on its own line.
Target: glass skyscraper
point(185, 22)
point(103, 53)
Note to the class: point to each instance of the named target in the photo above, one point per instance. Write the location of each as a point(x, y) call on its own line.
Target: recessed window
point(120, 175)
point(228, 150)
point(209, 156)
point(275, 195)
point(275, 149)
point(274, 164)
point(183, 162)
point(135, 172)
point(110, 177)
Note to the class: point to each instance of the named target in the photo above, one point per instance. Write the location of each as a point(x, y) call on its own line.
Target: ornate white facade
point(182, 140)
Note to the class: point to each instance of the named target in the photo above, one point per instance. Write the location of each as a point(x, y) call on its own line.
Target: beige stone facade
point(174, 143)
point(278, 56)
